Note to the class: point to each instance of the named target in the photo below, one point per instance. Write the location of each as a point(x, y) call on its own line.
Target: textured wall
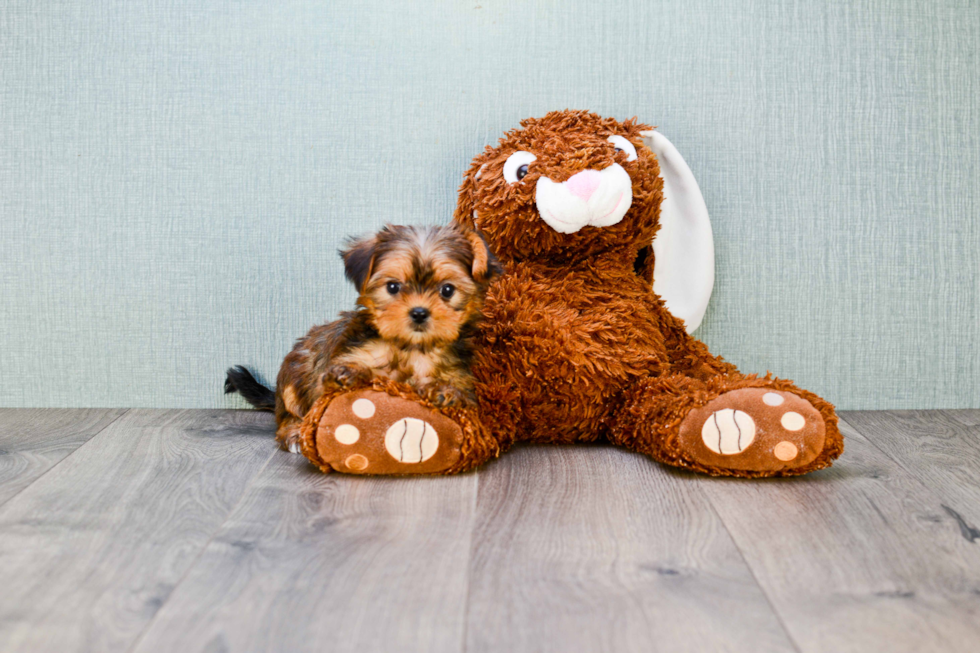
point(175, 179)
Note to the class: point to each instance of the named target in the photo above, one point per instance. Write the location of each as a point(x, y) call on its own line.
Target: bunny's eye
point(623, 145)
point(516, 167)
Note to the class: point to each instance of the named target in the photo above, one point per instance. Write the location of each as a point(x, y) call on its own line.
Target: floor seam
point(204, 547)
point(469, 561)
point(125, 411)
point(741, 554)
point(942, 498)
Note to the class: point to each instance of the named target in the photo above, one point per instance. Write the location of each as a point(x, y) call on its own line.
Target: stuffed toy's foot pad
point(754, 429)
point(370, 432)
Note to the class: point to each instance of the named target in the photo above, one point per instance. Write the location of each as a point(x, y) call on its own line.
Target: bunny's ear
point(684, 250)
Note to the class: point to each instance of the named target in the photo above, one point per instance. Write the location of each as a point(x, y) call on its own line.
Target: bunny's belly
point(564, 356)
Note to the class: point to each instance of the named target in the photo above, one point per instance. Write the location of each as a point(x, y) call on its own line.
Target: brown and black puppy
point(421, 295)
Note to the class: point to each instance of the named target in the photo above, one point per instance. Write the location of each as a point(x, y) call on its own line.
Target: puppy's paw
point(288, 436)
point(345, 376)
point(447, 396)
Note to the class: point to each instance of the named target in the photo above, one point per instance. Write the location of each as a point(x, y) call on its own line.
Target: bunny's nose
point(419, 314)
point(584, 184)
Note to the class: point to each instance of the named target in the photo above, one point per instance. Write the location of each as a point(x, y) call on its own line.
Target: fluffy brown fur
point(575, 346)
point(421, 294)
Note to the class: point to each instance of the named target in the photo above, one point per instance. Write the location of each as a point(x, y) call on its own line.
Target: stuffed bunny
point(586, 335)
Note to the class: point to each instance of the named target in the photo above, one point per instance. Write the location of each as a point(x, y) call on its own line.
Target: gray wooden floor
point(167, 530)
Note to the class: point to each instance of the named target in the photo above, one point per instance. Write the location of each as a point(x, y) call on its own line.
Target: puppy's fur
point(421, 294)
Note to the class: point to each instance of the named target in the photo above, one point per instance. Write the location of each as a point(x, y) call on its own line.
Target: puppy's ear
point(486, 267)
point(359, 257)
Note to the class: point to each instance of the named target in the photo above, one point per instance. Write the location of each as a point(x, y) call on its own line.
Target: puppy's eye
point(447, 290)
point(516, 166)
point(623, 145)
point(393, 287)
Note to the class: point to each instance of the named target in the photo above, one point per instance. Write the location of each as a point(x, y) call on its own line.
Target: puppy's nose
point(419, 314)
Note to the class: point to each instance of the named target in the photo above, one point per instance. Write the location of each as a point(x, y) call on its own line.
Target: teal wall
point(175, 179)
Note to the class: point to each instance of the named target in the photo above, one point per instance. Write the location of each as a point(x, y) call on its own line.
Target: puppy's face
point(421, 284)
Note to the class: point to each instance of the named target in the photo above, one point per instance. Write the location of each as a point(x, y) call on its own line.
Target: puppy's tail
point(240, 380)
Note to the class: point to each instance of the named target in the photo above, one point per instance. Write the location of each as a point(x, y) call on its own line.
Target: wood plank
point(966, 417)
point(314, 562)
point(33, 440)
point(92, 549)
point(940, 448)
point(592, 548)
point(857, 557)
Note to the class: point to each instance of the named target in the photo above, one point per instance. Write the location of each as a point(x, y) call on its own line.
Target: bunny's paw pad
point(754, 429)
point(370, 432)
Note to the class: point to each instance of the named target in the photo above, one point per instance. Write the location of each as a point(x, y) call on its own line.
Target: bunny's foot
point(372, 431)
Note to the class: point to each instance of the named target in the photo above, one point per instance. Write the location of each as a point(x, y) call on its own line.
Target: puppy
point(421, 294)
